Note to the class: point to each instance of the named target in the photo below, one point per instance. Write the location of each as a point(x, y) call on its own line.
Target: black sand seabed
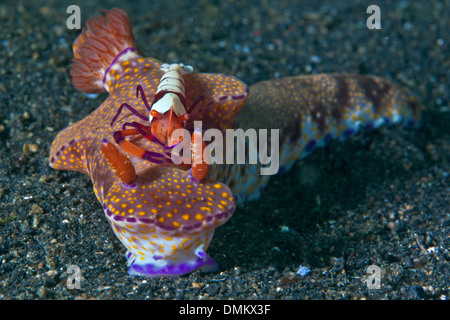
point(378, 199)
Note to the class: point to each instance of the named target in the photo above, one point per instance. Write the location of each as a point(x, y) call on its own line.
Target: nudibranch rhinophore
point(163, 215)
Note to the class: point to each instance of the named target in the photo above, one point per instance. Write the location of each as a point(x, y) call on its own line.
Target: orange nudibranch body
point(162, 214)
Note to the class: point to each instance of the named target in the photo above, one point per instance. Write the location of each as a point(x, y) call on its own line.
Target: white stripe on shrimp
point(171, 89)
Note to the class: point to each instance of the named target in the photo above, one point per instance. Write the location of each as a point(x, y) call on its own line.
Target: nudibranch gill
point(164, 216)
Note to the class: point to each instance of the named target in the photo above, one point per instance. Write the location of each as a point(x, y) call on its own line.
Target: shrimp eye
point(155, 114)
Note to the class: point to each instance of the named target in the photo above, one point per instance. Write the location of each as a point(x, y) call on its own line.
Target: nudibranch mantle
point(179, 227)
point(165, 219)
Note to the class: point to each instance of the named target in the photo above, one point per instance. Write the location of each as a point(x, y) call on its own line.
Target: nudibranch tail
point(95, 49)
point(120, 164)
point(309, 111)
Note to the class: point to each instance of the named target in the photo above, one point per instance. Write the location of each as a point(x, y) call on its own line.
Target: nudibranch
point(309, 111)
point(163, 216)
point(158, 210)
